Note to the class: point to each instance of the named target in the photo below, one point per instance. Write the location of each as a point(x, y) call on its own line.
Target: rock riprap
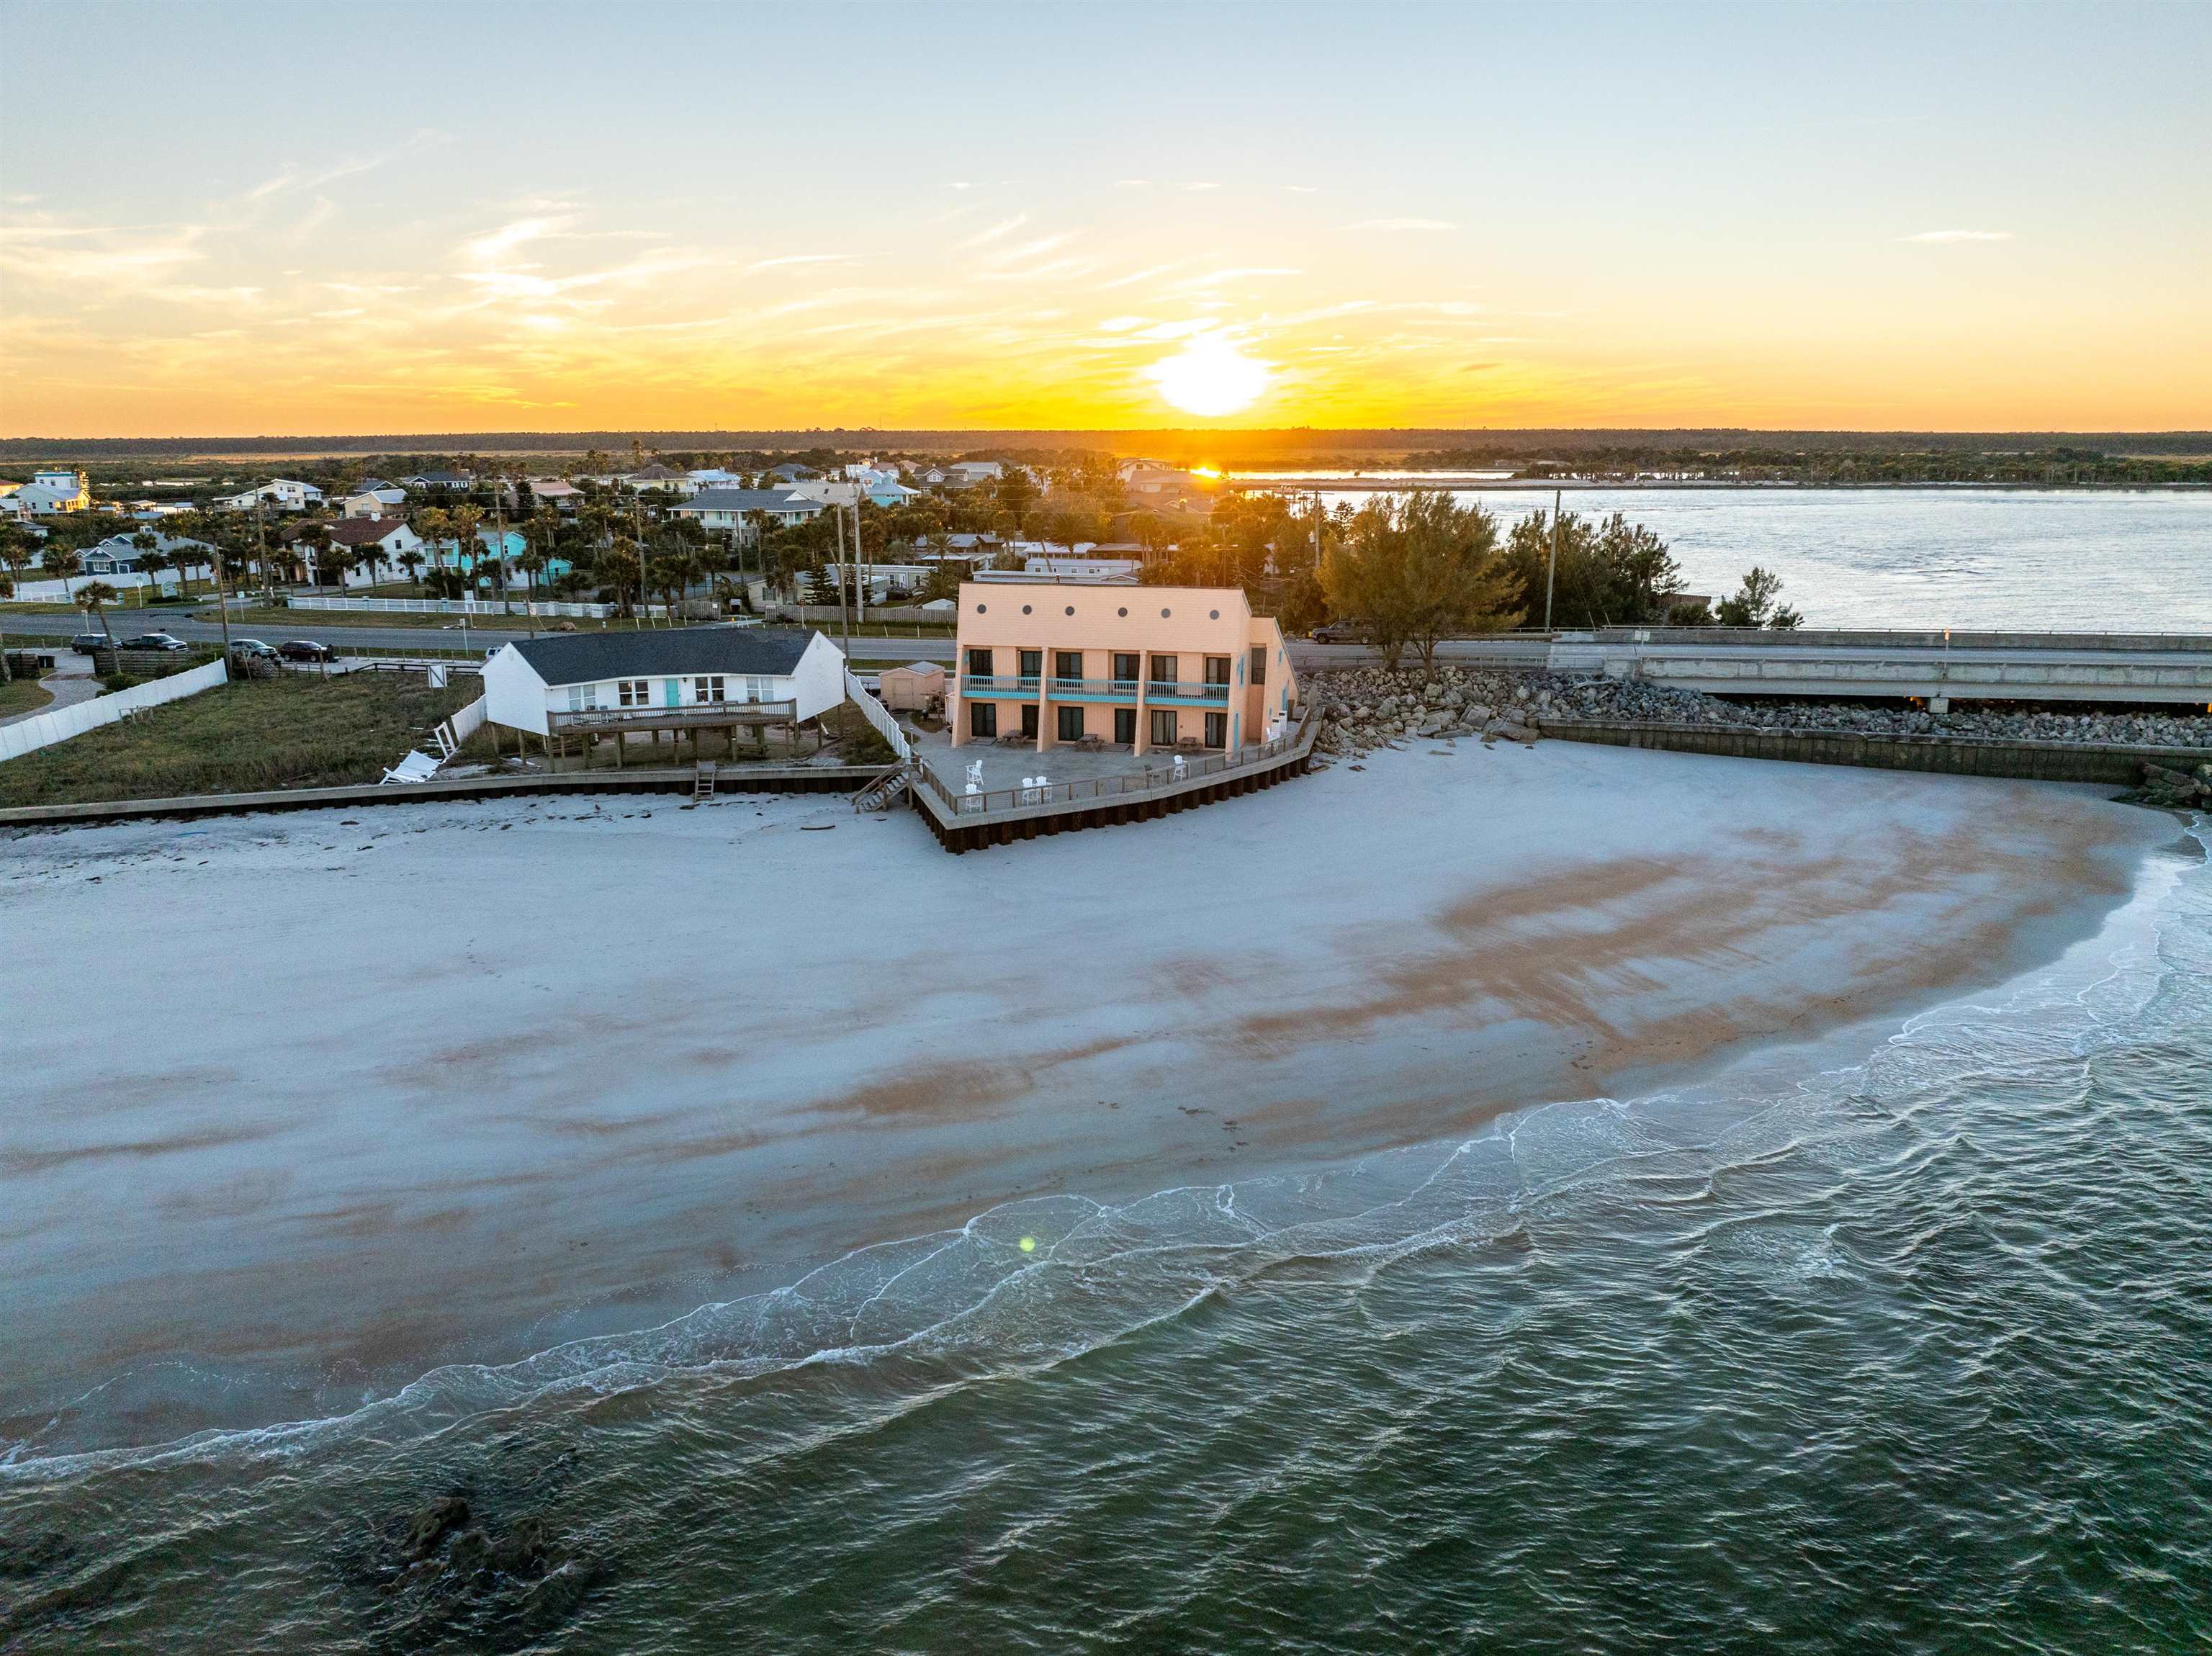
point(1367, 707)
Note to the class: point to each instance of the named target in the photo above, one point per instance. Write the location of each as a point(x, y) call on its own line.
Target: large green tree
point(1420, 568)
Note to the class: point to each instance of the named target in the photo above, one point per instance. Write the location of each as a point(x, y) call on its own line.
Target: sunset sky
point(341, 218)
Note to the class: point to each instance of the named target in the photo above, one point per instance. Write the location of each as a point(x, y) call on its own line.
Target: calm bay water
point(1913, 1353)
point(1974, 559)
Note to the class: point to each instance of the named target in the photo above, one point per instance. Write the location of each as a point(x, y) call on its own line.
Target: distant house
point(714, 477)
point(51, 494)
point(390, 538)
point(650, 674)
point(373, 498)
point(890, 491)
point(279, 494)
point(442, 482)
point(665, 478)
point(733, 509)
point(490, 545)
point(118, 556)
point(557, 493)
point(792, 472)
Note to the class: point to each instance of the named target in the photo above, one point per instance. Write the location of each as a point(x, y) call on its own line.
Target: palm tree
point(434, 526)
point(151, 563)
point(94, 596)
point(411, 561)
point(464, 520)
point(62, 563)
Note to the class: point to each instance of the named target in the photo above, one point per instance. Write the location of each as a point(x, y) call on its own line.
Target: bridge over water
point(2174, 669)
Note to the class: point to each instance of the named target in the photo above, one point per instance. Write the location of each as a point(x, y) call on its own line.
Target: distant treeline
point(2061, 465)
point(1295, 446)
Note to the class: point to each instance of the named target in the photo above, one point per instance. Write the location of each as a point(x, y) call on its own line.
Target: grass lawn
point(22, 695)
point(292, 732)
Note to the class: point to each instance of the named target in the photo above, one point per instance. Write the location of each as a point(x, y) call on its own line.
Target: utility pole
point(1551, 572)
point(221, 599)
point(844, 596)
point(861, 585)
point(498, 534)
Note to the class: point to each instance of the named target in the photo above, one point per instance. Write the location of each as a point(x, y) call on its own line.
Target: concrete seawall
point(2035, 761)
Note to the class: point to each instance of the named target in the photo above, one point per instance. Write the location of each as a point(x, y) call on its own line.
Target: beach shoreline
point(732, 1050)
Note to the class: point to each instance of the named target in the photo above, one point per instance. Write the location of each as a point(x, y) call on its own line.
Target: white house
point(390, 538)
point(284, 493)
point(651, 671)
point(732, 508)
point(444, 482)
point(49, 493)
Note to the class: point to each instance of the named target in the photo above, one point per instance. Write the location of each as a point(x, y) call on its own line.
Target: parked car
point(306, 649)
point(253, 646)
point(154, 642)
point(85, 643)
point(1338, 631)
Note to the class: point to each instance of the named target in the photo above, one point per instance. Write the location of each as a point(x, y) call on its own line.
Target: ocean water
point(2077, 561)
point(1910, 1352)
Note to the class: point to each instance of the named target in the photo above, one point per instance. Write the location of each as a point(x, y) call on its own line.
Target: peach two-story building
point(1135, 667)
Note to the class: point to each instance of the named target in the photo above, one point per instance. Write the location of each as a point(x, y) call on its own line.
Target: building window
point(1032, 665)
point(979, 664)
point(635, 692)
point(1217, 669)
point(1259, 663)
point(983, 718)
point(1067, 666)
point(1030, 720)
point(1126, 668)
point(583, 698)
point(1070, 724)
point(1125, 726)
point(1163, 727)
point(1216, 729)
point(759, 688)
point(708, 689)
point(1164, 670)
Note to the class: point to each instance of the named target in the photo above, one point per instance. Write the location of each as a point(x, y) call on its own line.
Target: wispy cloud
point(1959, 235)
point(1202, 183)
point(1403, 224)
point(292, 177)
point(1236, 272)
point(802, 258)
point(1005, 226)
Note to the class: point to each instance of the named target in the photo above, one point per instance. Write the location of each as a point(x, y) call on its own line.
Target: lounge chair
point(417, 766)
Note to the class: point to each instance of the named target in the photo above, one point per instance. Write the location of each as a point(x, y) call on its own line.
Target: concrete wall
point(2041, 761)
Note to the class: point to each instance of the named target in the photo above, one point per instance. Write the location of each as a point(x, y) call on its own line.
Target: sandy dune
point(299, 1106)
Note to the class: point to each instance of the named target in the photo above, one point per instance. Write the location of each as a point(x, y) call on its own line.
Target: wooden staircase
point(702, 781)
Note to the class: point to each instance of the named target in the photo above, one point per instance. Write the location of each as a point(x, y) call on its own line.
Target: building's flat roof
point(589, 658)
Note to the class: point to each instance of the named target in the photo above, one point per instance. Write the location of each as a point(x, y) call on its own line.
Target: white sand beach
point(299, 1106)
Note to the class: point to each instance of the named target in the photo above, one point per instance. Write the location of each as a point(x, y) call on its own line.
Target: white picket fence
point(44, 729)
point(878, 715)
point(59, 591)
point(469, 607)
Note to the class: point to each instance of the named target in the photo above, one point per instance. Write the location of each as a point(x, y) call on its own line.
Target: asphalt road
point(383, 640)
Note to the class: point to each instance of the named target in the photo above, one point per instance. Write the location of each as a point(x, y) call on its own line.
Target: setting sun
point(1210, 376)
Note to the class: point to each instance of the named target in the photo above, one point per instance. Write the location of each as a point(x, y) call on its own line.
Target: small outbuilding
point(914, 688)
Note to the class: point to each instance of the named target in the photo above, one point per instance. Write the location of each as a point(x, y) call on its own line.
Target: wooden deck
point(970, 822)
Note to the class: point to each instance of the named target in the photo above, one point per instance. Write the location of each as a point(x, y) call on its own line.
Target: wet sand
point(299, 1106)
